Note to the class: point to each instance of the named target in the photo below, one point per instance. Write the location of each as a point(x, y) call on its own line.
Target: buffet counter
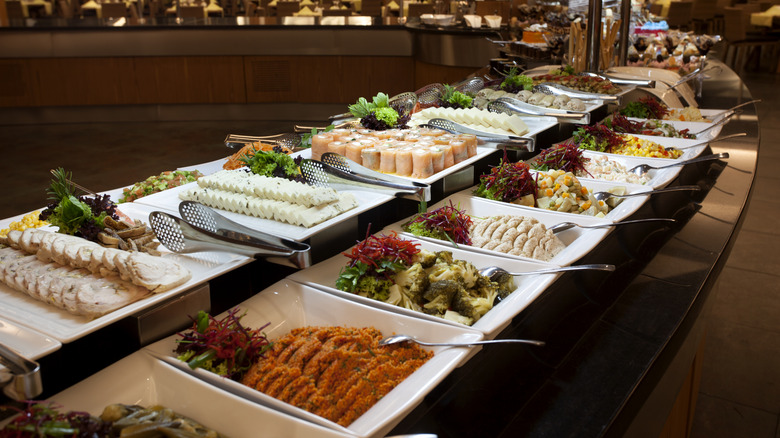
point(621, 348)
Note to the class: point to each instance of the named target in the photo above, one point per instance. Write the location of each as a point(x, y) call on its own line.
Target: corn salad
point(30, 220)
point(639, 147)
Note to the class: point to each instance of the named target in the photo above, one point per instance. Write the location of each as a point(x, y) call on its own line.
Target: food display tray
point(287, 305)
point(147, 381)
point(324, 275)
point(658, 178)
point(622, 211)
point(66, 327)
point(578, 241)
point(169, 200)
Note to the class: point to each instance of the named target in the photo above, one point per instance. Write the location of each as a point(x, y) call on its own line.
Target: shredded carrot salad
point(337, 373)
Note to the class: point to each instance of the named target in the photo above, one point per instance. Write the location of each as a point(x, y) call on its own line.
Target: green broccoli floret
point(425, 258)
point(473, 306)
point(399, 297)
point(439, 296)
point(373, 287)
point(414, 281)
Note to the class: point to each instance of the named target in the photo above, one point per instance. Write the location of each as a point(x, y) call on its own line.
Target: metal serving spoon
point(603, 196)
point(642, 169)
point(563, 226)
point(679, 148)
point(495, 273)
point(397, 339)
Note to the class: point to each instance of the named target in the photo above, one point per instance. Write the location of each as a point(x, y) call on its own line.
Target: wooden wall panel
point(425, 74)
point(325, 79)
point(84, 81)
point(16, 83)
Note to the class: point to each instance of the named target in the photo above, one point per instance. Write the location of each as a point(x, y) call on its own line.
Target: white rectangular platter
point(287, 305)
point(146, 381)
point(625, 209)
point(65, 327)
point(324, 275)
point(169, 200)
point(26, 341)
point(578, 241)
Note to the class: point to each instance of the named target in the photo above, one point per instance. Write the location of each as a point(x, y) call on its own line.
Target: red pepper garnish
point(448, 220)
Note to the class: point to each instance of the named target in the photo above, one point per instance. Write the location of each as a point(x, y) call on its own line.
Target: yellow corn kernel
point(586, 205)
point(548, 192)
point(565, 195)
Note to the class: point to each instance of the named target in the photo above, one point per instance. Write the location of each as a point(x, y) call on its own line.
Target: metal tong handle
point(728, 137)
point(347, 165)
point(234, 242)
point(340, 179)
point(206, 218)
point(508, 141)
point(647, 83)
point(560, 89)
point(511, 104)
point(22, 379)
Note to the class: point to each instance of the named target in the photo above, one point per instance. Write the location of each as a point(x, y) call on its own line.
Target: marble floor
point(740, 388)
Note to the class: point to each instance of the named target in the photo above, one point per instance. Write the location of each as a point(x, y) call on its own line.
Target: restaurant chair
point(133, 11)
point(703, 16)
point(680, 15)
point(743, 46)
point(417, 9)
point(113, 10)
point(192, 12)
point(14, 10)
point(287, 9)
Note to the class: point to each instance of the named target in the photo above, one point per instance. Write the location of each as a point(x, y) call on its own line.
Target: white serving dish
point(26, 341)
point(324, 275)
point(493, 21)
point(579, 241)
point(287, 305)
point(692, 127)
point(658, 178)
point(169, 200)
point(688, 146)
point(473, 21)
point(144, 380)
point(664, 79)
point(65, 327)
point(625, 209)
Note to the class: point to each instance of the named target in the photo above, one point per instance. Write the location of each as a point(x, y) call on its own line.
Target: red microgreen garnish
point(655, 109)
point(376, 248)
point(597, 138)
point(507, 182)
point(223, 346)
point(445, 223)
point(565, 156)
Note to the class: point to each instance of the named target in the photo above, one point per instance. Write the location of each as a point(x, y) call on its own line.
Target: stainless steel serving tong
point(559, 90)
point(203, 229)
point(339, 173)
point(289, 140)
point(511, 105)
point(407, 101)
point(647, 83)
point(499, 141)
point(21, 380)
